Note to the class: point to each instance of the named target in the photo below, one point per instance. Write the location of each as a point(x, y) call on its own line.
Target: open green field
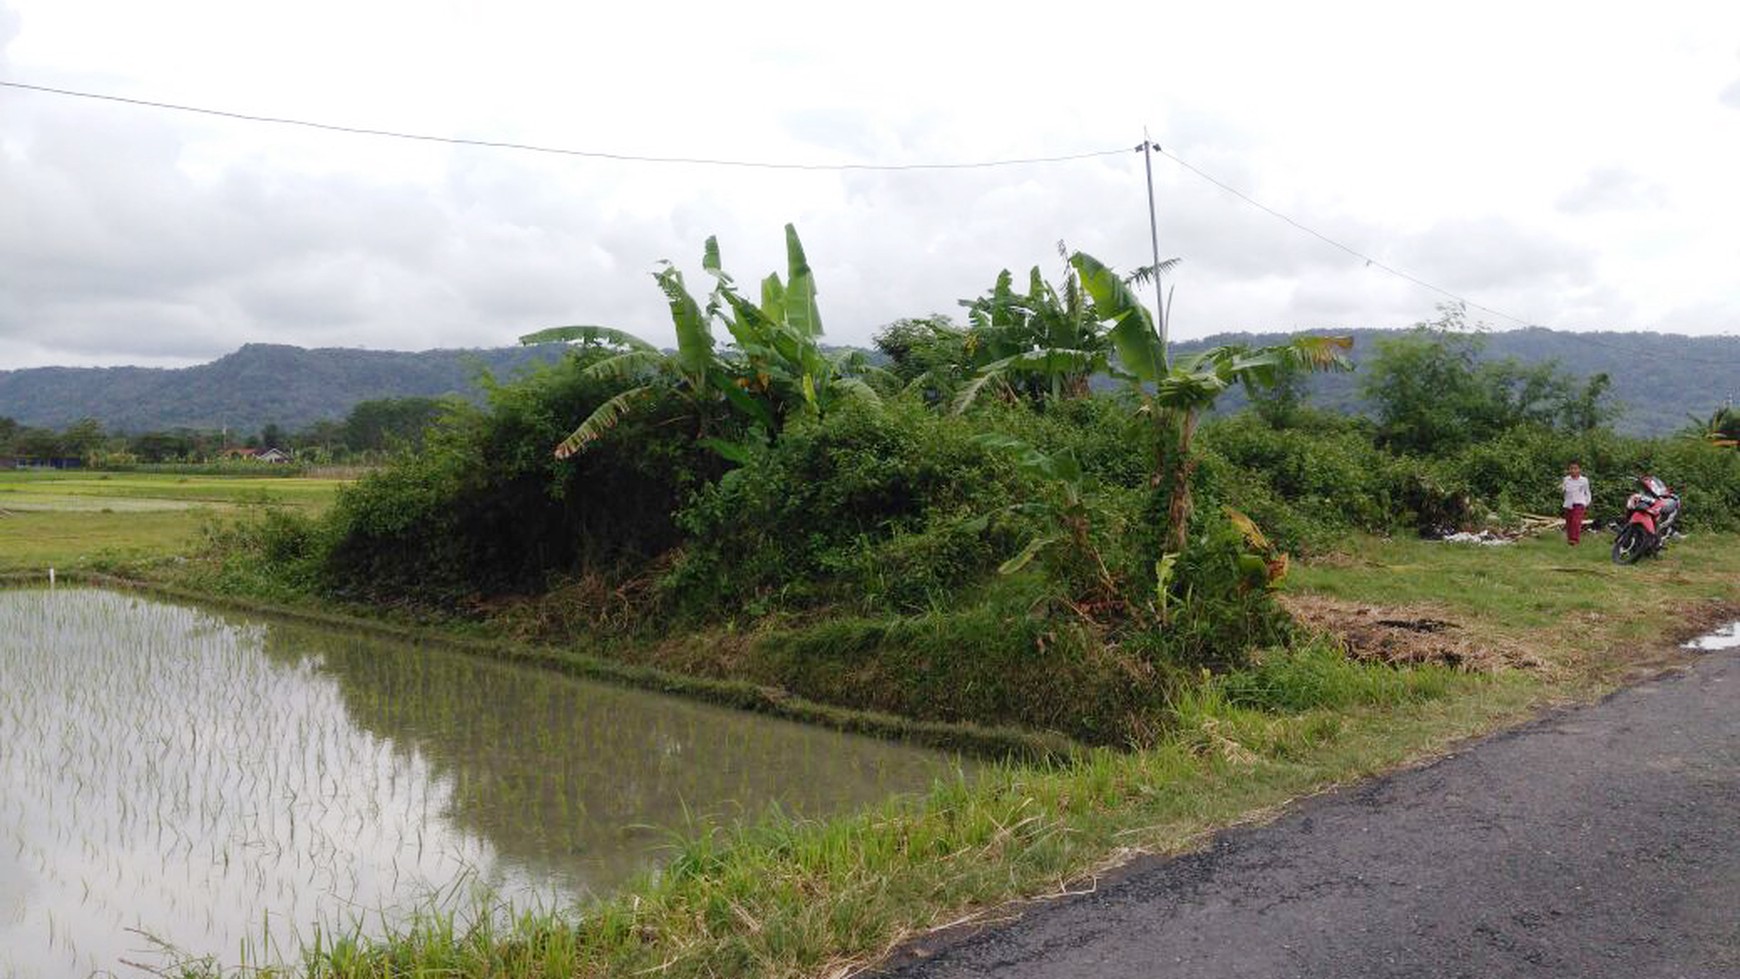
point(72, 520)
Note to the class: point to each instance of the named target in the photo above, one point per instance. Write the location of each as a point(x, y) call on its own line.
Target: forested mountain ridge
point(1658, 378)
point(259, 384)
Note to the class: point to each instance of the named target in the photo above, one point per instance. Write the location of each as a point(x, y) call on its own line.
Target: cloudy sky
point(1566, 164)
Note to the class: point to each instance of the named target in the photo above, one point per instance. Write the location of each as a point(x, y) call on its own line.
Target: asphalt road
point(1597, 841)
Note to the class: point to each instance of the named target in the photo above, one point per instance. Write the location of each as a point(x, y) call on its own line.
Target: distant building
point(257, 455)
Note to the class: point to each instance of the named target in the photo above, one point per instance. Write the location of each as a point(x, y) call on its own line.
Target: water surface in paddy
point(225, 783)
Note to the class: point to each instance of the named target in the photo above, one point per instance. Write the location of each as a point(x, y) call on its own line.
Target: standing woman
point(1576, 487)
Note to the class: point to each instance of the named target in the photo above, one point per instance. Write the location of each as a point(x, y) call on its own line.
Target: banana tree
point(695, 369)
point(1007, 327)
point(1045, 344)
point(1175, 395)
point(778, 340)
point(776, 366)
point(1722, 429)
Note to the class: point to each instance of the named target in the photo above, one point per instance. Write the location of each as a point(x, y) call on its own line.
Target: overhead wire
point(1369, 260)
point(1375, 263)
point(1313, 232)
point(557, 150)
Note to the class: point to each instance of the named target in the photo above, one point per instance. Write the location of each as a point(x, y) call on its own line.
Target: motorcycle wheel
point(1629, 545)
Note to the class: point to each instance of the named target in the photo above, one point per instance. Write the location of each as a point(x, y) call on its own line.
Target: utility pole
point(1148, 146)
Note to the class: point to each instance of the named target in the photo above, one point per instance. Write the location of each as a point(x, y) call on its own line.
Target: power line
point(1313, 232)
point(1649, 355)
point(531, 148)
point(772, 165)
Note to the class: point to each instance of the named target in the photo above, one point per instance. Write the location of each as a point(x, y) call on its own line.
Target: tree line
point(369, 432)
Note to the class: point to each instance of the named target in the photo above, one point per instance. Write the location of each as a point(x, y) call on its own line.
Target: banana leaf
point(601, 421)
point(801, 310)
point(589, 334)
point(694, 335)
point(1028, 553)
point(1132, 331)
point(626, 365)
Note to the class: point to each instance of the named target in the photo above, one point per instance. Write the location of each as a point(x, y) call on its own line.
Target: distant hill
point(1658, 378)
point(259, 384)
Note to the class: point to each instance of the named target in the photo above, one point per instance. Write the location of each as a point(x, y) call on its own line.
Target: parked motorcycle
point(1650, 515)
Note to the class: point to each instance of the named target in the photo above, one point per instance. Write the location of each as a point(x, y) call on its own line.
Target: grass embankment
point(992, 662)
point(786, 898)
point(91, 520)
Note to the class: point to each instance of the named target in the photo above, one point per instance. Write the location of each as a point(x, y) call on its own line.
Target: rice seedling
point(187, 787)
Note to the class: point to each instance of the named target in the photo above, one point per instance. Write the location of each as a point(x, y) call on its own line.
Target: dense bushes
point(1310, 485)
point(484, 510)
point(882, 509)
point(864, 557)
point(870, 505)
point(1518, 472)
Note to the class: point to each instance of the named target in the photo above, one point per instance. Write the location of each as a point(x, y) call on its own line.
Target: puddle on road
point(1725, 638)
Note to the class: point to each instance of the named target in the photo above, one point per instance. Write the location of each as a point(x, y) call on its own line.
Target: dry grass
point(1411, 634)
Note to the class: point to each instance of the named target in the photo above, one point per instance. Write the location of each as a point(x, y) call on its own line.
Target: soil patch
point(1406, 634)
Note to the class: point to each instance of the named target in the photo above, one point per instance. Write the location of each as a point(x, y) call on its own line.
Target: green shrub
point(815, 516)
point(483, 508)
point(1706, 476)
point(1307, 485)
point(1519, 471)
point(269, 553)
point(1218, 612)
point(1104, 432)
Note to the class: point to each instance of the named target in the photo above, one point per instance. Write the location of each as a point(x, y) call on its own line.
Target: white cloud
point(1511, 166)
point(1611, 189)
point(1730, 96)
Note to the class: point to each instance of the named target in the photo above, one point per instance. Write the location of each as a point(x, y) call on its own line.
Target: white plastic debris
point(1485, 538)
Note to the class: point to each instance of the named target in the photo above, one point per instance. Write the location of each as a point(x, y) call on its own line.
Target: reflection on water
point(225, 784)
point(1724, 638)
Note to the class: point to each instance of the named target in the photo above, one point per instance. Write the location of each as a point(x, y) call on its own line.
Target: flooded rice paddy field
point(227, 785)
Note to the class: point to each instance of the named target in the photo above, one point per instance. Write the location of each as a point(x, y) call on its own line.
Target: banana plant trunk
point(1182, 468)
